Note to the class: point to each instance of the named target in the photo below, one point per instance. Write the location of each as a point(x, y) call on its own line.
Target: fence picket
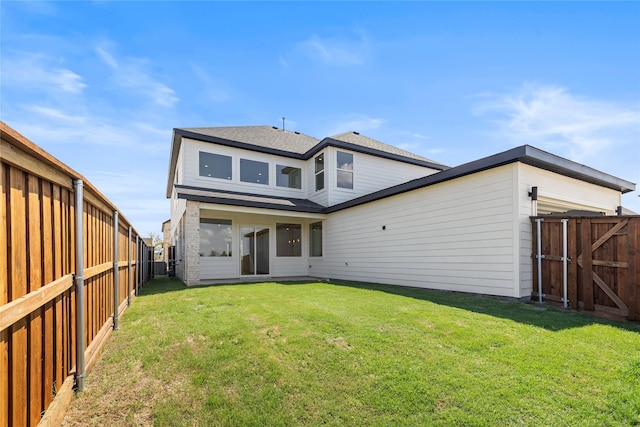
point(604, 271)
point(38, 225)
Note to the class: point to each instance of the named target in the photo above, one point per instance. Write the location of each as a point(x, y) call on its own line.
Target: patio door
point(254, 251)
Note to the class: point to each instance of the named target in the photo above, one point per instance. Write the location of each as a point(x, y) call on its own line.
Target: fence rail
point(590, 263)
point(65, 278)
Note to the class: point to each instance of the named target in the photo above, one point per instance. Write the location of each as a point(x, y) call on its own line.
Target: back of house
point(257, 202)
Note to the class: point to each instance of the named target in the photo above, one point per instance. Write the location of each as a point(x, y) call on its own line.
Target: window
point(315, 239)
point(254, 171)
point(345, 170)
point(319, 162)
point(288, 240)
point(215, 237)
point(215, 165)
point(287, 176)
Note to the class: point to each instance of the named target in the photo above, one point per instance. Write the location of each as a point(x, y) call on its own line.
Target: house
point(257, 202)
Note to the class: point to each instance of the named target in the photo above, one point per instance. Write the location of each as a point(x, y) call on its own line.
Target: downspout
point(116, 272)
point(539, 257)
point(79, 281)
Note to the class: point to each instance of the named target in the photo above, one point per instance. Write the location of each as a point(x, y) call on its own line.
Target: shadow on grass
point(547, 317)
point(161, 285)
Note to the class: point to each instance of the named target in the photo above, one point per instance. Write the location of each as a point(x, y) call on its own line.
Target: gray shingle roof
point(261, 136)
point(364, 141)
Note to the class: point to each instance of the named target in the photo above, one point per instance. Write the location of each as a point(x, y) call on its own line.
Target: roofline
point(317, 209)
point(372, 151)
point(524, 154)
point(179, 133)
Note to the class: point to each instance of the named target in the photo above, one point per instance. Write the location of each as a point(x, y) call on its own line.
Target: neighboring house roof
point(272, 140)
point(245, 199)
point(524, 154)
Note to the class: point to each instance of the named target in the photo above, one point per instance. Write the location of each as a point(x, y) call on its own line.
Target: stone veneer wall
point(192, 243)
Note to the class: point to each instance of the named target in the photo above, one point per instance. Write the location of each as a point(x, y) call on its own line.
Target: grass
point(339, 353)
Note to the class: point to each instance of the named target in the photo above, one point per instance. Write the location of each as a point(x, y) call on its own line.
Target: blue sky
point(100, 85)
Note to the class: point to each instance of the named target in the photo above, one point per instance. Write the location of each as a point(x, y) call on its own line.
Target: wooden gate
point(603, 262)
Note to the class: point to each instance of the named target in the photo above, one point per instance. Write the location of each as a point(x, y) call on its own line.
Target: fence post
point(116, 271)
point(79, 282)
point(137, 275)
point(129, 269)
point(634, 269)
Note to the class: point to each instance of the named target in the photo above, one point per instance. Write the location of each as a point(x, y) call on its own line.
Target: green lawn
point(338, 353)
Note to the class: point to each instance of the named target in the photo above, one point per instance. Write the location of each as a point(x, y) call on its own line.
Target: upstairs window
point(215, 165)
point(288, 240)
point(345, 170)
point(319, 171)
point(288, 176)
point(254, 171)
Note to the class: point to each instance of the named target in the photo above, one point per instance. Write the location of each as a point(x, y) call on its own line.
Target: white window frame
point(351, 171)
point(316, 172)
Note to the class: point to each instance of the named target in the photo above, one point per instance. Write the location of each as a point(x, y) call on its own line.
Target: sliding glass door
point(254, 250)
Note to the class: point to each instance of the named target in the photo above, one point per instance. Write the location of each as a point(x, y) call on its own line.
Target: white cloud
point(212, 89)
point(334, 51)
point(55, 114)
point(551, 117)
point(129, 73)
point(36, 71)
point(357, 122)
point(50, 126)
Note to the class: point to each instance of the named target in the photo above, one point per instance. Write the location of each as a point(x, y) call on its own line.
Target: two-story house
point(256, 202)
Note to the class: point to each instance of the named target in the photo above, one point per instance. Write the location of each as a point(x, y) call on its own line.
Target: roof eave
point(524, 154)
point(372, 151)
point(544, 160)
point(173, 159)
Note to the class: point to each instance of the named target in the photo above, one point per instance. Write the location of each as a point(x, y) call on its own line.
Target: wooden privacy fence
point(590, 263)
point(69, 264)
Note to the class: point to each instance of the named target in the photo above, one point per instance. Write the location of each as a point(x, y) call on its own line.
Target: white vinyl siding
point(457, 235)
point(371, 174)
point(192, 148)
